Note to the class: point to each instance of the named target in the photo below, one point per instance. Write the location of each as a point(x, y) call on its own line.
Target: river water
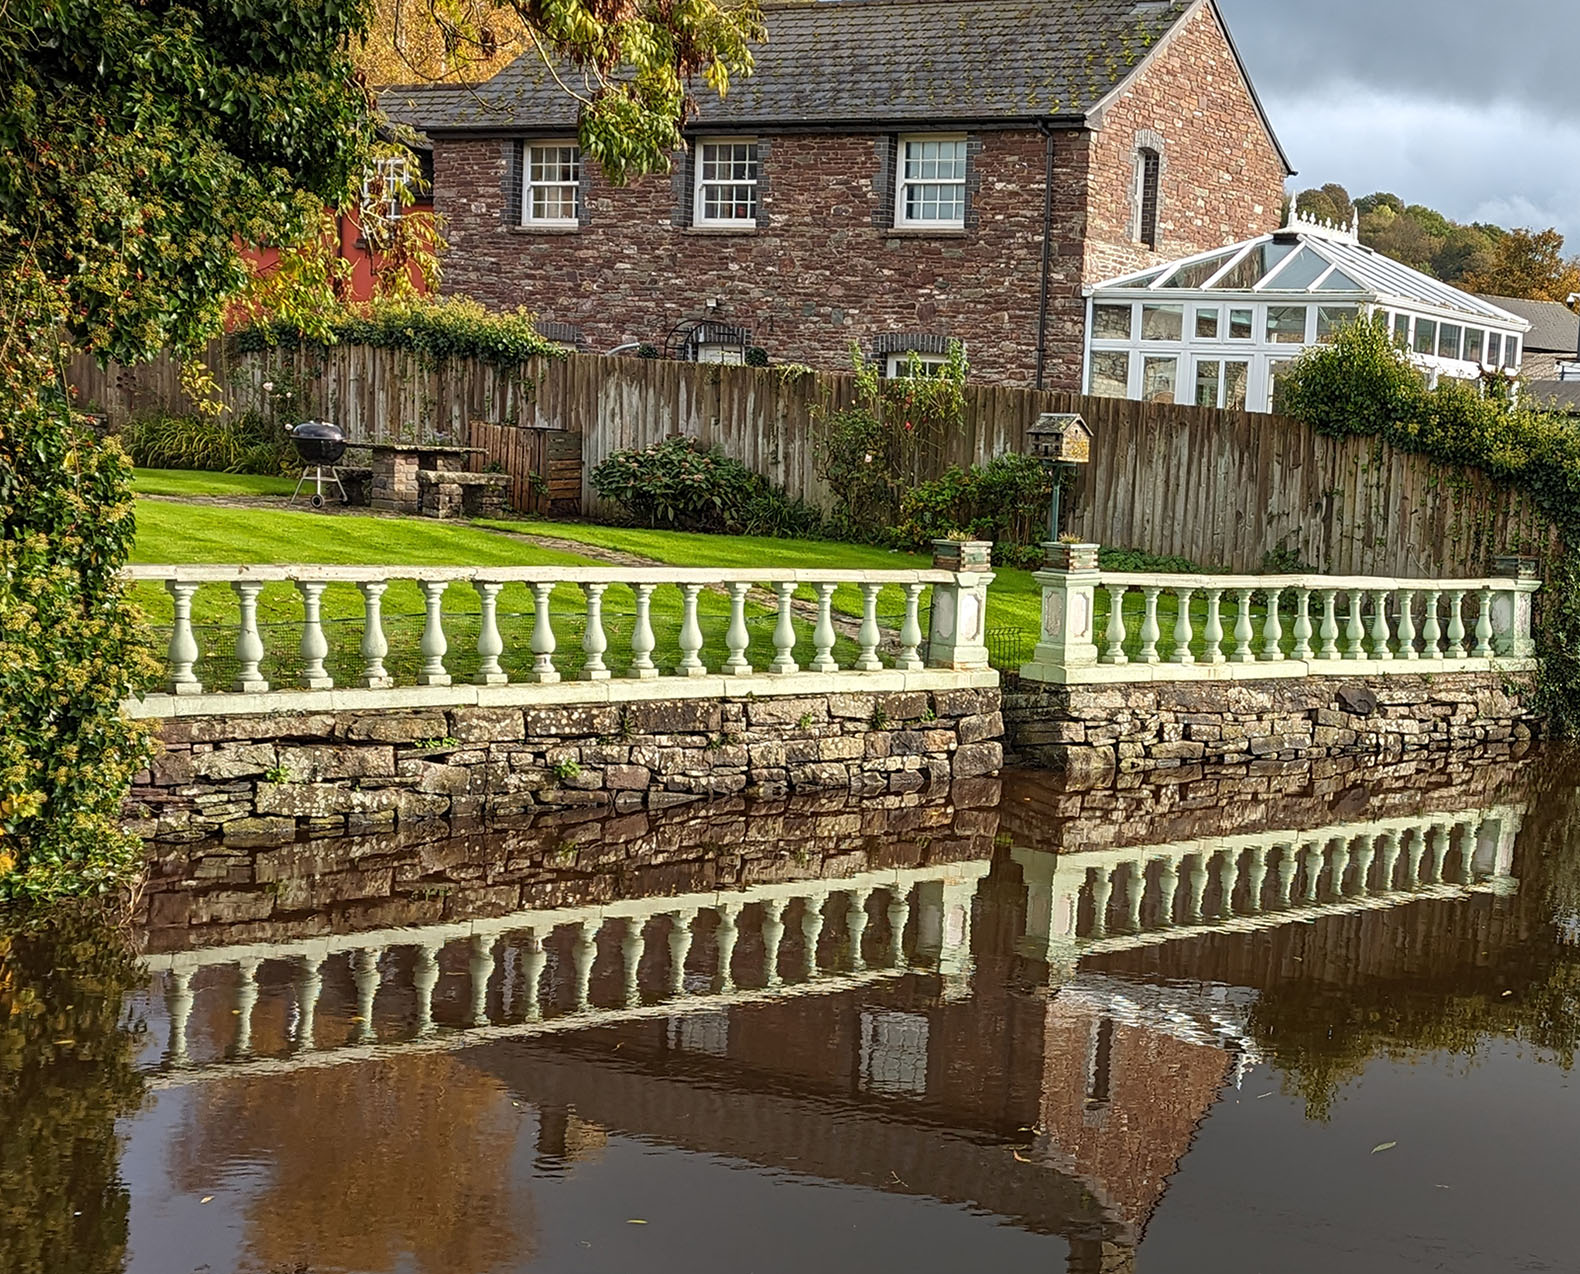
point(1289, 1019)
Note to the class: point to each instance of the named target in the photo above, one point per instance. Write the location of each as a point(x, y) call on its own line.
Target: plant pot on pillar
point(962, 555)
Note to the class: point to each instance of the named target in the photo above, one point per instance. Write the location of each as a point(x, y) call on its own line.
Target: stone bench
point(445, 494)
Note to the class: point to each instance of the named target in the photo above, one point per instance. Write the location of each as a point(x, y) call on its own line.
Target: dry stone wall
point(263, 779)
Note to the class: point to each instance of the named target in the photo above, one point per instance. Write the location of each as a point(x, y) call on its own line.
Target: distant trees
point(1478, 257)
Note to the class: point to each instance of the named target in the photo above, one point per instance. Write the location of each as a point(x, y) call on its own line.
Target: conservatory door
point(1221, 382)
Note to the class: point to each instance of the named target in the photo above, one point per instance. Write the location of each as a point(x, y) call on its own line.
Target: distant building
point(894, 173)
point(1219, 328)
point(1552, 346)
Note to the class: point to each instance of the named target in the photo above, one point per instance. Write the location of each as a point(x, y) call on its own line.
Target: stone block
point(848, 747)
point(258, 831)
point(230, 906)
point(570, 722)
point(235, 761)
point(396, 727)
point(987, 725)
point(317, 763)
point(965, 703)
point(487, 725)
point(678, 716)
point(787, 712)
point(976, 759)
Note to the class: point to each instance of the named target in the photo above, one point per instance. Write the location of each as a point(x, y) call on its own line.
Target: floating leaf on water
point(1387, 1145)
point(636, 1220)
point(207, 1198)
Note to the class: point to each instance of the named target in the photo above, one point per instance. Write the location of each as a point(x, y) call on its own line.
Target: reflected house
point(1219, 328)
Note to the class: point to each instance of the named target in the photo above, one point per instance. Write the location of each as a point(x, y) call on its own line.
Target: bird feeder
point(1059, 440)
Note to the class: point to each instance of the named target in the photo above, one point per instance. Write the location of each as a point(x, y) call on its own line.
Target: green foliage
point(246, 443)
point(567, 770)
point(1359, 383)
point(872, 454)
point(67, 1073)
point(436, 328)
point(676, 484)
point(1138, 562)
point(1005, 501)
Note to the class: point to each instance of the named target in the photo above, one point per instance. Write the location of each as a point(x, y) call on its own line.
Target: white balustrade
point(528, 649)
point(1278, 625)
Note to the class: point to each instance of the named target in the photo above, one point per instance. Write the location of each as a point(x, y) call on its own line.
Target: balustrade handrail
point(1315, 583)
point(526, 574)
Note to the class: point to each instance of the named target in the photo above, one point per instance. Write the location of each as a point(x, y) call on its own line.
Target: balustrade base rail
point(1287, 669)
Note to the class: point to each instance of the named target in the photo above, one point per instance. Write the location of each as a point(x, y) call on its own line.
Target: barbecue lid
point(322, 430)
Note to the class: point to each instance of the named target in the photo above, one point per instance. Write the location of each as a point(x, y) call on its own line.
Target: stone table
point(396, 486)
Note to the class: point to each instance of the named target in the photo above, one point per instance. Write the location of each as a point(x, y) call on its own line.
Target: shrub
point(245, 443)
point(1005, 501)
point(676, 484)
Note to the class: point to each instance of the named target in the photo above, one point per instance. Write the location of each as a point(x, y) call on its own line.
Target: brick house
point(895, 173)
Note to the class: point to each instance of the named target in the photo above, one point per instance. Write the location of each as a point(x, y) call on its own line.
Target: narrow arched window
point(1149, 173)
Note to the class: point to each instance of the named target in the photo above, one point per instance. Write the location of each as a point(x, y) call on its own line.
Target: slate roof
point(1555, 328)
point(859, 61)
point(1555, 395)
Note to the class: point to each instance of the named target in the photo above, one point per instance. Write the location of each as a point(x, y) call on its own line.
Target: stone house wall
point(822, 269)
point(272, 778)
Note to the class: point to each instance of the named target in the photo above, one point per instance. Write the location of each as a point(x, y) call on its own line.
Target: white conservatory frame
point(1326, 274)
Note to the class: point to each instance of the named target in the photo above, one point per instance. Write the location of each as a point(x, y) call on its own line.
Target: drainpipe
point(1047, 253)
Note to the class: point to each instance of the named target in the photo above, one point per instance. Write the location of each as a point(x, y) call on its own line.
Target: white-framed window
point(381, 186)
point(726, 193)
point(1109, 376)
point(729, 355)
point(1222, 382)
point(551, 184)
point(930, 184)
point(894, 1053)
point(1511, 352)
point(900, 365)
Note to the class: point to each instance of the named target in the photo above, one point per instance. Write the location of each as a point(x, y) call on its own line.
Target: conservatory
point(1218, 329)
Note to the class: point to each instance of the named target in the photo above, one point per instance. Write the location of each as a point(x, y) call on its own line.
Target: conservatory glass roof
point(1314, 258)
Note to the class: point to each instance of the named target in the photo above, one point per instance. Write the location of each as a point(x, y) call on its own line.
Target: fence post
point(957, 627)
point(1511, 608)
point(1069, 602)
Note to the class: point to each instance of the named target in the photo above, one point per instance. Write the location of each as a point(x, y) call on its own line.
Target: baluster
point(1273, 629)
point(1184, 633)
point(246, 1002)
point(1196, 877)
point(1302, 648)
point(784, 632)
point(1102, 895)
point(425, 979)
point(1288, 869)
point(1364, 854)
point(1149, 626)
point(433, 642)
point(183, 651)
point(632, 946)
point(869, 637)
point(1381, 632)
point(773, 935)
point(313, 647)
point(1135, 894)
point(1407, 648)
point(594, 640)
point(1115, 636)
point(374, 645)
point(1356, 631)
point(490, 645)
point(178, 1008)
point(823, 634)
point(1168, 885)
point(1316, 860)
point(1467, 851)
point(482, 969)
point(365, 974)
point(856, 925)
point(1212, 634)
point(584, 951)
point(1390, 861)
point(1456, 624)
point(642, 641)
point(811, 932)
point(910, 659)
point(1483, 648)
point(1256, 879)
point(1415, 851)
point(1228, 882)
point(543, 670)
point(1330, 625)
point(308, 988)
point(1431, 632)
point(690, 664)
point(249, 645)
point(1438, 853)
point(738, 638)
point(532, 966)
point(680, 937)
point(1341, 864)
point(1243, 631)
point(899, 915)
point(727, 933)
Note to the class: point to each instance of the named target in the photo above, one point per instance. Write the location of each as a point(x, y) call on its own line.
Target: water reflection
point(1027, 1026)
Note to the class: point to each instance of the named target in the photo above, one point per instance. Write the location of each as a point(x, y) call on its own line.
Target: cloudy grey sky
point(1468, 106)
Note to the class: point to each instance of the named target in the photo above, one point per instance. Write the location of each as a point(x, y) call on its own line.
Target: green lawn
point(181, 482)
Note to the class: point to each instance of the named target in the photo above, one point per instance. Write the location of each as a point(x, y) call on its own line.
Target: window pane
point(1235, 376)
point(1110, 374)
point(1475, 339)
point(1162, 322)
point(1300, 273)
point(1242, 326)
point(1332, 317)
point(1494, 349)
point(1207, 324)
point(1401, 329)
point(1197, 273)
point(1511, 351)
point(1286, 324)
point(1425, 336)
point(1209, 378)
point(1276, 371)
point(1250, 270)
point(1112, 322)
point(553, 177)
point(1159, 380)
point(1448, 340)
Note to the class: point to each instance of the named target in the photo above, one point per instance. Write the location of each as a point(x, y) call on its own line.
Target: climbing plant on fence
point(1361, 383)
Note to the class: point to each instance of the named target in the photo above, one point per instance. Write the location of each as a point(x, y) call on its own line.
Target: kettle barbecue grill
point(320, 444)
